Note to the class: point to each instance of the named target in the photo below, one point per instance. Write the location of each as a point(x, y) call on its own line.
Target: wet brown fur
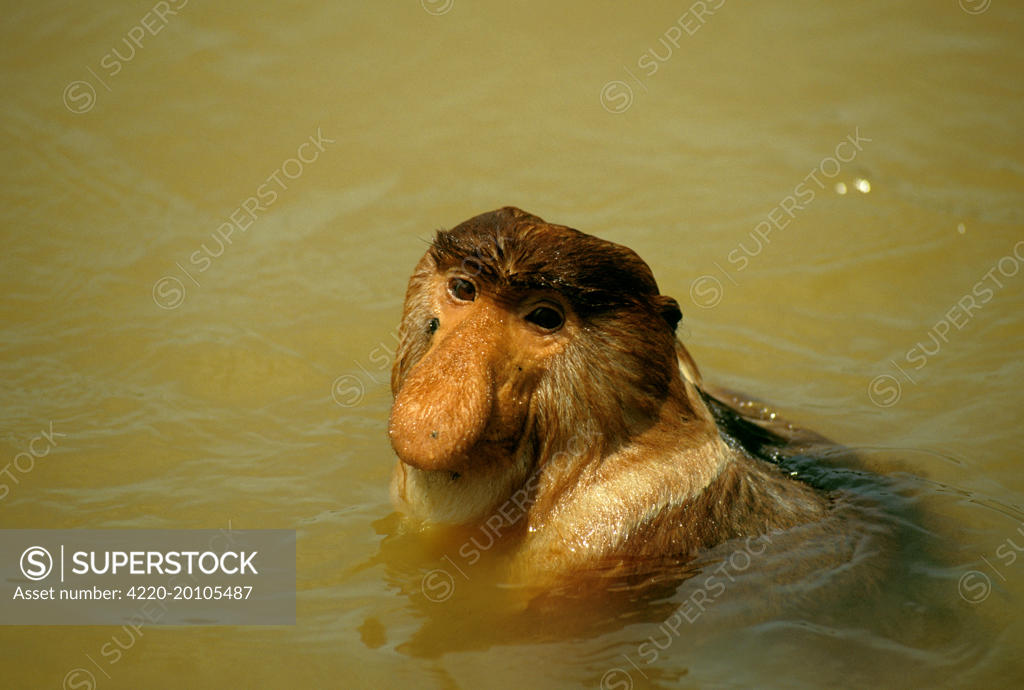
point(599, 433)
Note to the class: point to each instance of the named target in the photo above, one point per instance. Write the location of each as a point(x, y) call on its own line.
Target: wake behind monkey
point(538, 366)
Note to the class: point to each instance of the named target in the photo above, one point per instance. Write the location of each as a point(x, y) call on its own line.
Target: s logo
point(36, 563)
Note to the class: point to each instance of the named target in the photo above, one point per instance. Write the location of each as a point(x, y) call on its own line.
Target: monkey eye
point(462, 290)
point(547, 318)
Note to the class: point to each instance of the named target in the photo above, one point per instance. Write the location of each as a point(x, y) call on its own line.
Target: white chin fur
point(436, 497)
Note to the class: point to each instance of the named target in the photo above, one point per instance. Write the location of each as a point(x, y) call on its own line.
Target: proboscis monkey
point(539, 365)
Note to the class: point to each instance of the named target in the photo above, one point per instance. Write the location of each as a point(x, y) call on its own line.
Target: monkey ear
point(669, 310)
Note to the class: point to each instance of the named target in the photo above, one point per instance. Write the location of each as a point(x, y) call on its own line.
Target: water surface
point(200, 383)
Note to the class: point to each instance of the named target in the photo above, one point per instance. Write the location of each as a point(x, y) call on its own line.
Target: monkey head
point(517, 335)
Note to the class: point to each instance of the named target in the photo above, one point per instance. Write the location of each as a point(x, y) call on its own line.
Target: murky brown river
point(833, 192)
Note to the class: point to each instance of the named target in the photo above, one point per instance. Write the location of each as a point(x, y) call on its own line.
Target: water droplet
point(840, 188)
point(961, 228)
point(862, 185)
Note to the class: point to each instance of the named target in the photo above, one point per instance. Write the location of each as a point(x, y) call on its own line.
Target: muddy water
point(833, 194)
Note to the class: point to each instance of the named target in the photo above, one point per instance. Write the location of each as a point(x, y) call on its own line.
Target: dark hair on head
point(511, 249)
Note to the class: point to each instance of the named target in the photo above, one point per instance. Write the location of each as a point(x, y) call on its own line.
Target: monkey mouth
point(486, 451)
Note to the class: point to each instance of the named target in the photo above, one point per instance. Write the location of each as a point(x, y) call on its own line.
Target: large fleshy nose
point(447, 400)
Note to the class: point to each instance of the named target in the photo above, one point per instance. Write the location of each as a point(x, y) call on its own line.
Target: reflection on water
point(199, 304)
